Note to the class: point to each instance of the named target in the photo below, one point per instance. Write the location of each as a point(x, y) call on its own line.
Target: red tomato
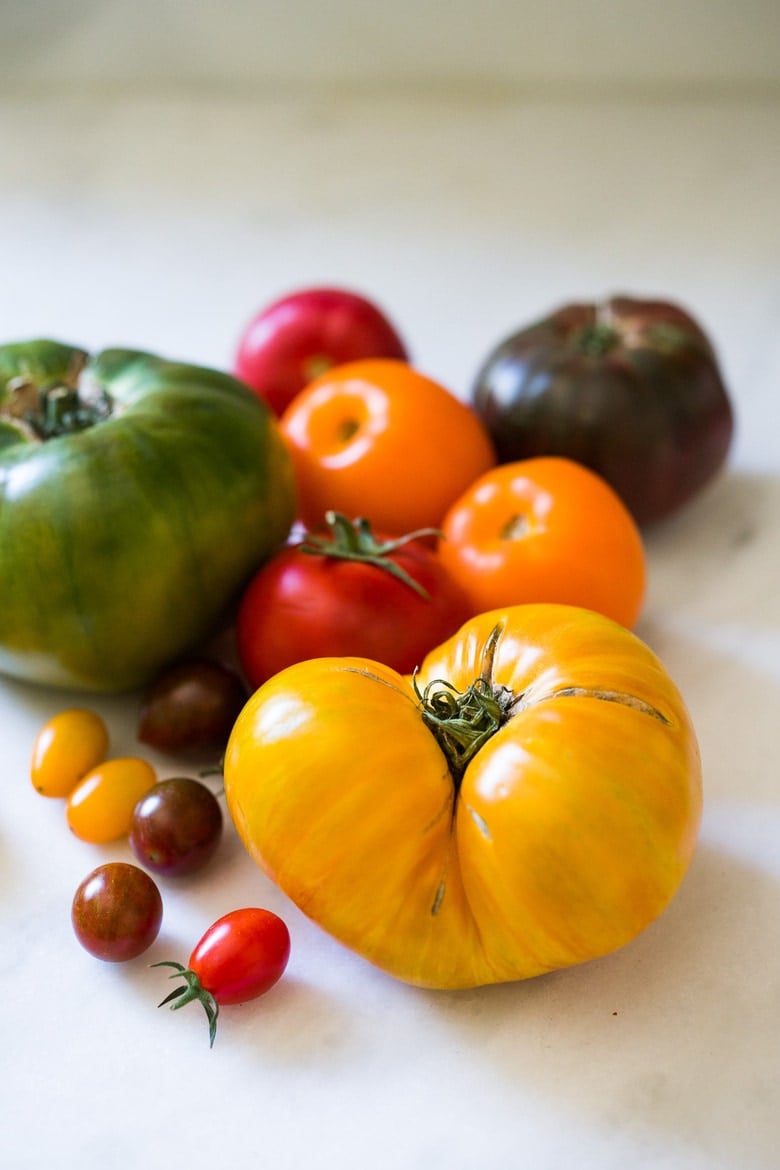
point(301, 335)
point(240, 957)
point(348, 593)
point(377, 438)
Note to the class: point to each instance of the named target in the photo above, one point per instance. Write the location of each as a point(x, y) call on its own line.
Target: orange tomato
point(100, 807)
point(545, 530)
point(377, 439)
point(65, 749)
point(530, 800)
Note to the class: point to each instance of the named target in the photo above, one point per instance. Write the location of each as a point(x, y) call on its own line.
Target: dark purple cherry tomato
point(176, 826)
point(303, 334)
point(629, 388)
point(240, 957)
point(117, 912)
point(191, 708)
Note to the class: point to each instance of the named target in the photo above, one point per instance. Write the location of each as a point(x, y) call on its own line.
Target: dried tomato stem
point(58, 407)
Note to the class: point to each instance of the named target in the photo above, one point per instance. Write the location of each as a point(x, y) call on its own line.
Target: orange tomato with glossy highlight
point(545, 530)
point(100, 807)
point(67, 746)
point(378, 439)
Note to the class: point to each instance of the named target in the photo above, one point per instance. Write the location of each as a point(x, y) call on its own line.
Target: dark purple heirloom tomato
point(630, 388)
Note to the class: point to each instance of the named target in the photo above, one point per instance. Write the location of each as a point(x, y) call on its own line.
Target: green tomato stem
point(463, 721)
point(354, 541)
point(192, 989)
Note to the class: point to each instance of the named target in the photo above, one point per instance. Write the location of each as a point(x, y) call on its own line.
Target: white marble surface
point(162, 219)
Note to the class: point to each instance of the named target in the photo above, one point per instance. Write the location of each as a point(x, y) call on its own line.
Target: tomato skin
point(188, 461)
point(190, 708)
point(630, 387)
point(300, 335)
point(176, 826)
point(377, 438)
point(100, 807)
point(303, 605)
point(566, 833)
point(242, 955)
point(68, 746)
point(117, 912)
point(545, 530)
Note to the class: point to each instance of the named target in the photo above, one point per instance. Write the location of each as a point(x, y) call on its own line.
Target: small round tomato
point(349, 592)
point(191, 707)
point(240, 957)
point(117, 912)
point(176, 827)
point(378, 439)
point(100, 807)
point(67, 747)
point(299, 336)
point(546, 530)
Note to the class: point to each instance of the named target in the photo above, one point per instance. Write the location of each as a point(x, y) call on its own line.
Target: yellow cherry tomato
point(100, 807)
point(528, 801)
point(67, 747)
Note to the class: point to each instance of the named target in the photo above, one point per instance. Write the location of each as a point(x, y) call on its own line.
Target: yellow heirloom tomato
point(530, 800)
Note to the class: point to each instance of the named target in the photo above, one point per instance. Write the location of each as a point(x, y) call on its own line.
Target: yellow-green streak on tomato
point(555, 838)
point(131, 518)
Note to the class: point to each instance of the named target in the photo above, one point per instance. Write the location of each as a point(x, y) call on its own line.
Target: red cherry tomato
point(240, 957)
point(302, 335)
point(348, 593)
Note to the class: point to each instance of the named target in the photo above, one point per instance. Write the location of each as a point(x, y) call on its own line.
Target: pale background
point(165, 170)
point(718, 44)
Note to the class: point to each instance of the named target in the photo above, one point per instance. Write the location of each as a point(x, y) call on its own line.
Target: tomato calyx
point(58, 407)
point(349, 540)
point(463, 721)
point(192, 989)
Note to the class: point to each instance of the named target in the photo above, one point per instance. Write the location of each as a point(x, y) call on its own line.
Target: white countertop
point(164, 220)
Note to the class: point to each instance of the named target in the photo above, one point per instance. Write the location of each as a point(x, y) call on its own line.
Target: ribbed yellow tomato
point(529, 801)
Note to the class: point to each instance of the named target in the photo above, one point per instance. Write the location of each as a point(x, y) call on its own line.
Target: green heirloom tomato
point(137, 498)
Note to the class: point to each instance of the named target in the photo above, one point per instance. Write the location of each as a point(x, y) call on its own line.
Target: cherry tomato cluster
point(173, 827)
point(69, 760)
